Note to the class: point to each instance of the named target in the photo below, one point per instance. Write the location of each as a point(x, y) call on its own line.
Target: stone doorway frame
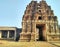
point(43, 31)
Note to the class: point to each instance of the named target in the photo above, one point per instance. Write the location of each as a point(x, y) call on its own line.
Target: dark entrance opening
point(11, 34)
point(4, 33)
point(40, 31)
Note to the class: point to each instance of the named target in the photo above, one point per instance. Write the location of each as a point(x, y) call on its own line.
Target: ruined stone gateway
point(39, 23)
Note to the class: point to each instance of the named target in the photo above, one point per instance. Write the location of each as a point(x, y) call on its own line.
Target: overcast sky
point(11, 11)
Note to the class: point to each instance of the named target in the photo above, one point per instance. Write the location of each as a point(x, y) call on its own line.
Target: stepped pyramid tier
point(39, 23)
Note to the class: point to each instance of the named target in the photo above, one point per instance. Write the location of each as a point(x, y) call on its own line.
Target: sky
point(12, 11)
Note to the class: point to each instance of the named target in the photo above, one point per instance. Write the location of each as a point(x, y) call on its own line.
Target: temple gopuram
point(39, 23)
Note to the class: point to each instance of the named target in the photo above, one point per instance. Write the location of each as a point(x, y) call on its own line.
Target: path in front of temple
point(25, 44)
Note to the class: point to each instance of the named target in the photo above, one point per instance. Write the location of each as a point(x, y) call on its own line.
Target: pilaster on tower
point(42, 0)
point(34, 0)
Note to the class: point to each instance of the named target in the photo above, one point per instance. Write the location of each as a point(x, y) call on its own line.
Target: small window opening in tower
point(28, 11)
point(39, 18)
point(39, 10)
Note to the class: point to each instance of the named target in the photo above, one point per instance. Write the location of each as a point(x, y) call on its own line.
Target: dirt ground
point(4, 43)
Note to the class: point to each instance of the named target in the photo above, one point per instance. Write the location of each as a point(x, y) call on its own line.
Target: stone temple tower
point(39, 23)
